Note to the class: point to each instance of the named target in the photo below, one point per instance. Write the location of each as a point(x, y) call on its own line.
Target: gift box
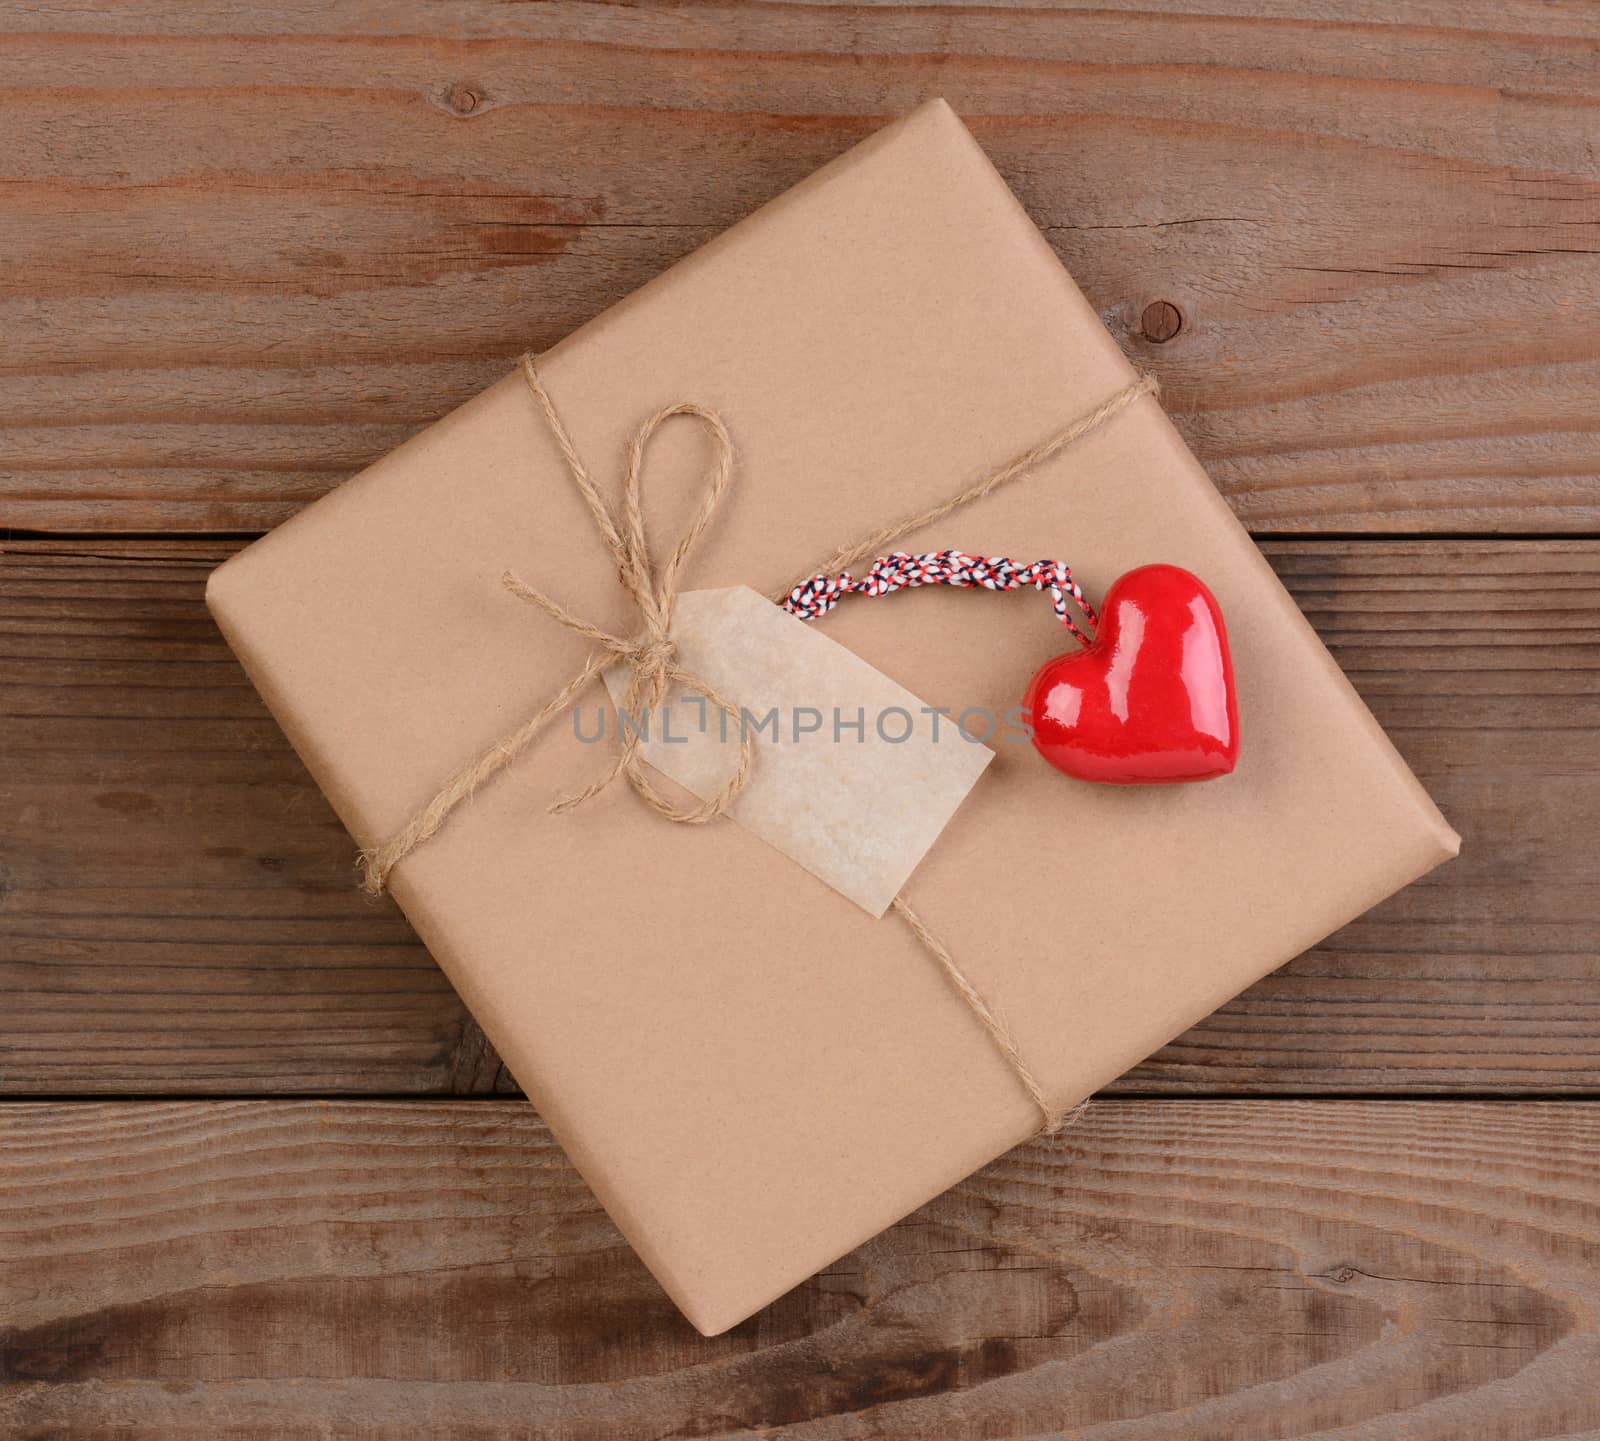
point(754, 1068)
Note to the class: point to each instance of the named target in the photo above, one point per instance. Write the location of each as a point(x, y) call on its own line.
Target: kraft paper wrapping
point(753, 1073)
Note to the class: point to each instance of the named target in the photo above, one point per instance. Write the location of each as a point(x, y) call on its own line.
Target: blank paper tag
point(850, 774)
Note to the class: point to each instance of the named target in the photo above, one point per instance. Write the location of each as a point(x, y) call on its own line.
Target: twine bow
point(651, 655)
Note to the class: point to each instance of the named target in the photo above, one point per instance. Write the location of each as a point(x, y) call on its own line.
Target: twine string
point(1018, 465)
point(651, 656)
point(1055, 1116)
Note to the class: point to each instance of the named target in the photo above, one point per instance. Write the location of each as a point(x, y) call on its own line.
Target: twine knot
point(653, 655)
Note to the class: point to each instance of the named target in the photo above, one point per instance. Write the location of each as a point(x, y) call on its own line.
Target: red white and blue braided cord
point(889, 573)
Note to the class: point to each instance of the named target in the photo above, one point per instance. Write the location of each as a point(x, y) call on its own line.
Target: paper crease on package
point(754, 1074)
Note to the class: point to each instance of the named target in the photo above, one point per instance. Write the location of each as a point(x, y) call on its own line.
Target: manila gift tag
point(852, 776)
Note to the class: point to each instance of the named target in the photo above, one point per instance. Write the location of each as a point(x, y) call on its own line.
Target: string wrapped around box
point(651, 656)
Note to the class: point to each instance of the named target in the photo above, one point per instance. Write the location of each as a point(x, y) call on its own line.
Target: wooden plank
point(249, 248)
point(178, 911)
point(1193, 1270)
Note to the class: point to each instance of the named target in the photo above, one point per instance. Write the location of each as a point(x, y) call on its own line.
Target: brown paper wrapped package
point(752, 1073)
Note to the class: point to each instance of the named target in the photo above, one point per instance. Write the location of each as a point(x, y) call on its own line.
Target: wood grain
point(1200, 1271)
point(178, 911)
point(249, 248)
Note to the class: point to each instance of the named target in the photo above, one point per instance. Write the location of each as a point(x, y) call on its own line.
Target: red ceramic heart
point(1151, 700)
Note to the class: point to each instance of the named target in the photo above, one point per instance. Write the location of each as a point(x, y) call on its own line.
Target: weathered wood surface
point(178, 911)
point(1201, 1271)
point(247, 248)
